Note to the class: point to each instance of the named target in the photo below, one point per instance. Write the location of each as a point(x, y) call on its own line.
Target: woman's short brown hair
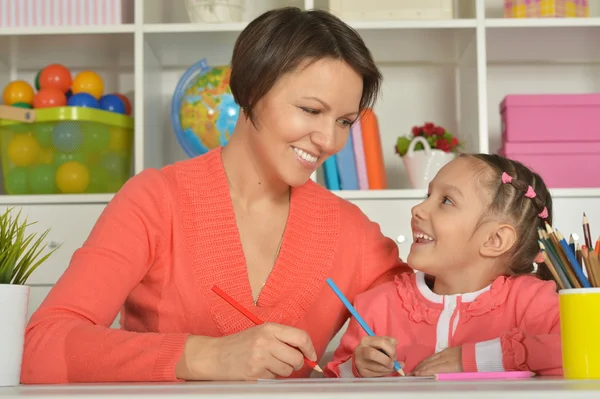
point(277, 41)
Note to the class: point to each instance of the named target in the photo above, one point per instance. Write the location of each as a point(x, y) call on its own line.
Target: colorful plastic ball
point(61, 158)
point(126, 102)
point(23, 150)
point(112, 103)
point(17, 181)
point(42, 179)
point(55, 76)
point(115, 163)
point(96, 137)
point(18, 91)
point(22, 105)
point(72, 177)
point(85, 100)
point(37, 80)
point(88, 82)
point(99, 179)
point(48, 98)
point(67, 136)
point(46, 156)
point(120, 139)
point(42, 131)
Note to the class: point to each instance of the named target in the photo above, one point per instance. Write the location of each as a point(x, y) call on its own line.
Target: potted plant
point(425, 151)
point(20, 255)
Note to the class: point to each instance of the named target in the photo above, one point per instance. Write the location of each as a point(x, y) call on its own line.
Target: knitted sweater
point(513, 324)
point(156, 251)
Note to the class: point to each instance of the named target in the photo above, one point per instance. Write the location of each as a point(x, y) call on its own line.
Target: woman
point(245, 217)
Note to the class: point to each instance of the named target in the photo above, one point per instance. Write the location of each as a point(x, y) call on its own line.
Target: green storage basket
point(67, 150)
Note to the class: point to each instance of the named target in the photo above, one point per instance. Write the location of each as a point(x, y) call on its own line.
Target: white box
point(374, 10)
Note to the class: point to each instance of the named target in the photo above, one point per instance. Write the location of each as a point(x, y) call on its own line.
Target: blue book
point(332, 180)
point(346, 163)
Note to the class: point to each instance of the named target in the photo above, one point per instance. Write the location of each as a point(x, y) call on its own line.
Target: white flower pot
point(422, 166)
point(14, 302)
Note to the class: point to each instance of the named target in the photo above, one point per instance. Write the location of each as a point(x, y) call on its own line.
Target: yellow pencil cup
point(580, 333)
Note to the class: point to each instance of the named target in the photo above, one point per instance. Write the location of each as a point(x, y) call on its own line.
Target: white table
point(529, 389)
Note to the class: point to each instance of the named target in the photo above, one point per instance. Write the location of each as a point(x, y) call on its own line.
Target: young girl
point(474, 304)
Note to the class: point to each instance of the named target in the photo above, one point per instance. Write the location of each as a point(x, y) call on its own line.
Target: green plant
point(19, 252)
point(437, 137)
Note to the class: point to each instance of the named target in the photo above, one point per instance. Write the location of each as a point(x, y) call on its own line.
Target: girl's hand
point(265, 351)
point(447, 361)
point(368, 359)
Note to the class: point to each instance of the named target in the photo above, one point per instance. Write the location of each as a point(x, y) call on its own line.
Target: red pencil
point(254, 319)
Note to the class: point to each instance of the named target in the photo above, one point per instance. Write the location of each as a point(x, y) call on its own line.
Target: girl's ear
point(499, 241)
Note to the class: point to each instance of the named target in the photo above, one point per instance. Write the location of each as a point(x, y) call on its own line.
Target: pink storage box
point(561, 165)
point(551, 117)
point(36, 13)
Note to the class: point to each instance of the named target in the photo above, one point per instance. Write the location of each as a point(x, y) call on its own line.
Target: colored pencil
point(557, 273)
point(578, 254)
point(572, 243)
point(571, 257)
point(587, 236)
point(562, 256)
point(254, 319)
point(359, 319)
point(557, 260)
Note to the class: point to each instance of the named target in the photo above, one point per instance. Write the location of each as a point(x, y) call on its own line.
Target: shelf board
point(67, 30)
point(541, 22)
point(403, 194)
point(19, 200)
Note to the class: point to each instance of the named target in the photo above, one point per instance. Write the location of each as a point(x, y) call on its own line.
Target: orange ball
point(18, 91)
point(48, 98)
point(126, 102)
point(55, 76)
point(88, 82)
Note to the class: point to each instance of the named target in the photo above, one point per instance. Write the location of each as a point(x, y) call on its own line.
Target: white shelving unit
point(451, 72)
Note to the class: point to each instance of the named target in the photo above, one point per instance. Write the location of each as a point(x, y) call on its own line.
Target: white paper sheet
point(391, 380)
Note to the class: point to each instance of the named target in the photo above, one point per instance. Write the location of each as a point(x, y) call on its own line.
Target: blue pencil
point(359, 319)
point(573, 260)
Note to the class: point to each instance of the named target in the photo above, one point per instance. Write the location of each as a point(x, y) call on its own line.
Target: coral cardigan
point(156, 251)
point(513, 324)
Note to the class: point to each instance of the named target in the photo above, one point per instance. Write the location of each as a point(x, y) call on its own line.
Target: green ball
point(43, 133)
point(22, 105)
point(17, 181)
point(37, 81)
point(96, 137)
point(64, 157)
point(42, 179)
point(115, 163)
point(98, 180)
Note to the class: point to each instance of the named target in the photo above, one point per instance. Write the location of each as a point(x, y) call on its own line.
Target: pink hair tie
point(506, 178)
point(530, 192)
point(544, 213)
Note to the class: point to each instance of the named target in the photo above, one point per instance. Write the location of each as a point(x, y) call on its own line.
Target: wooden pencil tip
point(319, 369)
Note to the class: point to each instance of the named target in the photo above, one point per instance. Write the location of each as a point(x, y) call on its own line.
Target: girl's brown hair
point(279, 40)
point(509, 201)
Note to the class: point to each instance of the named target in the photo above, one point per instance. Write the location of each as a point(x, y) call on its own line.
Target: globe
point(203, 110)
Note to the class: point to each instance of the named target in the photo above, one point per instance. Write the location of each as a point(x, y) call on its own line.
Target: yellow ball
point(23, 150)
point(88, 82)
point(72, 177)
point(18, 91)
point(120, 139)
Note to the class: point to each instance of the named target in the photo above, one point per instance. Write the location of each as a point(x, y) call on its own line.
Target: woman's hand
point(447, 361)
point(370, 361)
point(265, 351)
